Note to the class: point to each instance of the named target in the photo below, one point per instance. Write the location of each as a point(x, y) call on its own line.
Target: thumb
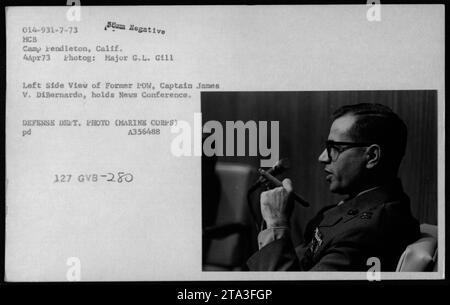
point(287, 184)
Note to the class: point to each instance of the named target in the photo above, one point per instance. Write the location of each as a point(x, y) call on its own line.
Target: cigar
point(277, 182)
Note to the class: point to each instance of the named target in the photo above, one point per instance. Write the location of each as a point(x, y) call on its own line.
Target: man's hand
point(277, 204)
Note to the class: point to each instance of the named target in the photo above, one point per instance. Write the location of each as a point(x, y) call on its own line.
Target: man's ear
point(373, 155)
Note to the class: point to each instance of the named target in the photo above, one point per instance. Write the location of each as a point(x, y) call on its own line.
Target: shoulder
point(368, 223)
point(385, 220)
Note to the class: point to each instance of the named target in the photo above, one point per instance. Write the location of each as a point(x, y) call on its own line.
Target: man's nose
point(323, 158)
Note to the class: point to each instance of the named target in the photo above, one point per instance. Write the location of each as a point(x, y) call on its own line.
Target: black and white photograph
point(364, 165)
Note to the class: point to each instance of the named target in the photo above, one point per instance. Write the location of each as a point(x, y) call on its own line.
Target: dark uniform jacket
point(377, 223)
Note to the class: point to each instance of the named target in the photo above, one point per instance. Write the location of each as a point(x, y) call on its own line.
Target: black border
point(295, 291)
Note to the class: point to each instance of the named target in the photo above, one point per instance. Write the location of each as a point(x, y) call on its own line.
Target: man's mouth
point(329, 175)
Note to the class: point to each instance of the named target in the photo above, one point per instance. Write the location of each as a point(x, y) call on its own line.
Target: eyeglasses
point(334, 149)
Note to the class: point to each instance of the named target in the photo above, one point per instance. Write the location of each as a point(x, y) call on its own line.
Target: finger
point(264, 196)
point(287, 184)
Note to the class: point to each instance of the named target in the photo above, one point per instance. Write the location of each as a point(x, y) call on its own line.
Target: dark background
point(285, 291)
point(304, 121)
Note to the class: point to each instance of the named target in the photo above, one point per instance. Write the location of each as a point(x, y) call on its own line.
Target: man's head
point(365, 146)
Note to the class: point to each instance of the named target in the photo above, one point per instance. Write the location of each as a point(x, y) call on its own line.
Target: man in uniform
point(363, 152)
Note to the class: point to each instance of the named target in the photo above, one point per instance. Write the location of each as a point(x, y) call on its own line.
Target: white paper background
point(151, 229)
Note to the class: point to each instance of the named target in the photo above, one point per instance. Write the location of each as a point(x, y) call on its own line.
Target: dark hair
point(377, 124)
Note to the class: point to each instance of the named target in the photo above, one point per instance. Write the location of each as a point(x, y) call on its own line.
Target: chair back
point(422, 254)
